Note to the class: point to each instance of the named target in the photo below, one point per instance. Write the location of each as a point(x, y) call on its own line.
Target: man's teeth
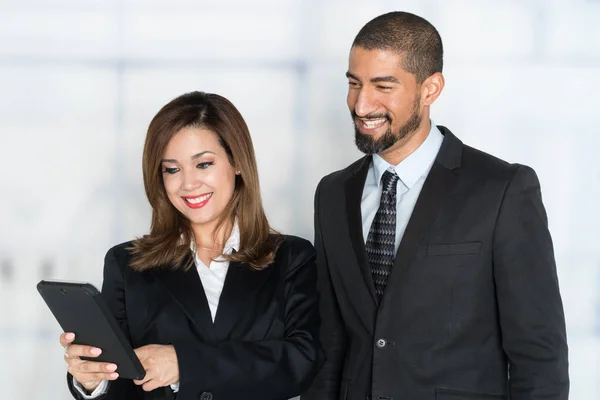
point(375, 123)
point(200, 199)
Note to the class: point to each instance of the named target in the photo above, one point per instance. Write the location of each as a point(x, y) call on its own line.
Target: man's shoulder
point(295, 243)
point(473, 155)
point(480, 162)
point(472, 160)
point(341, 175)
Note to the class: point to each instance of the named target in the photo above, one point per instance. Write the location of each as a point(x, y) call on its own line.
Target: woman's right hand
point(88, 373)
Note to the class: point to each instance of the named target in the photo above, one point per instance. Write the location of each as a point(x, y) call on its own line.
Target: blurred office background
point(80, 81)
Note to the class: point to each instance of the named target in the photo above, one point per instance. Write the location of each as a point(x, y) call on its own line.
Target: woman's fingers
point(146, 378)
point(66, 339)
point(79, 350)
point(96, 367)
point(87, 371)
point(76, 350)
point(150, 385)
point(149, 382)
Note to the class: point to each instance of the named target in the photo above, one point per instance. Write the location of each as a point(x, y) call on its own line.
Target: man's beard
point(369, 145)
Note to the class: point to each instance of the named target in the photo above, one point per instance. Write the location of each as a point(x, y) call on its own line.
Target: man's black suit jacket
point(472, 308)
point(264, 341)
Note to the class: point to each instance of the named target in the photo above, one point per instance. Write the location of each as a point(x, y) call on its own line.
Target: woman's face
point(198, 178)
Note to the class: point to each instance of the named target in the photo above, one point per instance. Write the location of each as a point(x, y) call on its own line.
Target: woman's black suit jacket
point(263, 343)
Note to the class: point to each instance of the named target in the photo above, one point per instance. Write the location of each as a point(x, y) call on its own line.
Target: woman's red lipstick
point(192, 201)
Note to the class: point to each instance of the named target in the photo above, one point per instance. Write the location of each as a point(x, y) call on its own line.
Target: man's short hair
point(408, 34)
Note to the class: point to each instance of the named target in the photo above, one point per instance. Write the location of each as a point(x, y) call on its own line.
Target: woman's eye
point(171, 170)
point(204, 165)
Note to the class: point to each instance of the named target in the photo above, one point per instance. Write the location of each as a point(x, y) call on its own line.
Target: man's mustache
point(371, 116)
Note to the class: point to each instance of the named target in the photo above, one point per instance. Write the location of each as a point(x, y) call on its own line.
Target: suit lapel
point(241, 284)
point(354, 190)
point(439, 182)
point(356, 272)
point(186, 289)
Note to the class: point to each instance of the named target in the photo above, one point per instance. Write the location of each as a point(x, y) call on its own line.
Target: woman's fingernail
point(114, 375)
point(95, 351)
point(70, 336)
point(111, 367)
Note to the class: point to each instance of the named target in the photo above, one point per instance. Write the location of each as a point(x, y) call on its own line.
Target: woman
point(215, 303)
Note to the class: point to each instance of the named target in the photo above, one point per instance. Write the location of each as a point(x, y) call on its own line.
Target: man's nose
point(365, 104)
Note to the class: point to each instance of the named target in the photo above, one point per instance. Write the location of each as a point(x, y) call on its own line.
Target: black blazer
point(472, 308)
point(264, 341)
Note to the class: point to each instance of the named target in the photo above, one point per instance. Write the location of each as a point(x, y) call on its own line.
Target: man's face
point(384, 99)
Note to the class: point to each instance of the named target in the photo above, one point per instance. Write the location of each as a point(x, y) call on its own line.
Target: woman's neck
point(206, 238)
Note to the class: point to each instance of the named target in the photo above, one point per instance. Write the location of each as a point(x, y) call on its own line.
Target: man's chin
point(369, 145)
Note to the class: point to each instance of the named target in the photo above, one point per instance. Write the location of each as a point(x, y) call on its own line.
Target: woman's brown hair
point(168, 243)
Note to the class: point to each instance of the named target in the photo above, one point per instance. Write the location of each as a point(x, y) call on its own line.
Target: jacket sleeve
point(529, 302)
point(266, 369)
point(333, 335)
point(113, 294)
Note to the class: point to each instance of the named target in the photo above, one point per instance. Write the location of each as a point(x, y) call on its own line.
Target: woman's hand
point(160, 363)
point(88, 373)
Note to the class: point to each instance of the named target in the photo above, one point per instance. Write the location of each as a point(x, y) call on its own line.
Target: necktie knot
point(389, 181)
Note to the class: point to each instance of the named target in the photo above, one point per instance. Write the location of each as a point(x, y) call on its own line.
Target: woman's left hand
point(160, 363)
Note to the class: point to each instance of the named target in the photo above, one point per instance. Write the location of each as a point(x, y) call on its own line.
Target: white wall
point(80, 81)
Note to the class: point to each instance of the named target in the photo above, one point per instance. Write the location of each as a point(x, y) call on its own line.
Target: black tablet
point(78, 308)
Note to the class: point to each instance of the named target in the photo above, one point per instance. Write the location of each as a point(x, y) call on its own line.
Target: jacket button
point(206, 396)
point(381, 343)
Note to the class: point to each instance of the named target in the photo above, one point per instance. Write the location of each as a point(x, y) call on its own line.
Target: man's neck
point(405, 147)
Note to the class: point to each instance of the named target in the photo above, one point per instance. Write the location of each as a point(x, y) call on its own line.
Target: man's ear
point(431, 88)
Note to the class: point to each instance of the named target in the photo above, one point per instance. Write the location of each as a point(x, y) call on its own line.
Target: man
point(437, 272)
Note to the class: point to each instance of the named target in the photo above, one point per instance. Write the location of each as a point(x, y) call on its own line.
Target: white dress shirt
point(213, 280)
point(412, 171)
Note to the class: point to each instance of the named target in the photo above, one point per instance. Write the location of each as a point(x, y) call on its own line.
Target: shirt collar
point(233, 243)
point(416, 164)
